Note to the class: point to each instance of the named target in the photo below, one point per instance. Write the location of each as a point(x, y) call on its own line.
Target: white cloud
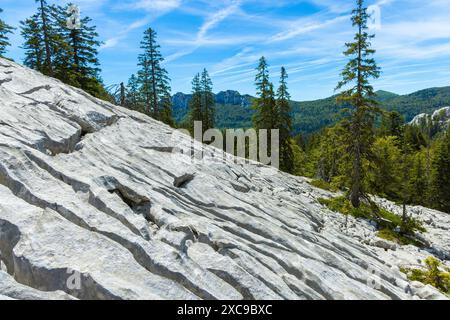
point(114, 41)
point(216, 18)
point(154, 9)
point(201, 38)
point(299, 29)
point(156, 6)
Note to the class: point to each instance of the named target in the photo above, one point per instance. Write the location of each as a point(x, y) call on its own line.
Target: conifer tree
point(133, 98)
point(34, 52)
point(207, 101)
point(83, 43)
point(195, 104)
point(264, 103)
point(440, 174)
point(46, 24)
point(285, 124)
point(392, 124)
point(44, 45)
point(153, 79)
point(165, 112)
point(357, 73)
point(4, 30)
point(266, 115)
point(418, 182)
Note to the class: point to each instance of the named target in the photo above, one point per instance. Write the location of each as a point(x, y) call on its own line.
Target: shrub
point(321, 184)
point(392, 235)
point(433, 275)
point(391, 226)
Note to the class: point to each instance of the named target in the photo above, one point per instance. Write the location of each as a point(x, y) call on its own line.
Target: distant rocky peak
point(229, 97)
point(439, 119)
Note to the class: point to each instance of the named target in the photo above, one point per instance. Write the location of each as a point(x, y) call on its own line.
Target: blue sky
point(228, 37)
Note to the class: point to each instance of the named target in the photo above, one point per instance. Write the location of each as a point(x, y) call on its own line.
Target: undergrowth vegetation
point(434, 274)
point(321, 184)
point(391, 226)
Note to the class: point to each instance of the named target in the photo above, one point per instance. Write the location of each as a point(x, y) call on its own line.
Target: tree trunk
point(356, 189)
point(76, 59)
point(48, 60)
point(122, 94)
point(155, 96)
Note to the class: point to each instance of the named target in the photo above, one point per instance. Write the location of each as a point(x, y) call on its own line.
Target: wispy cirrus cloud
point(155, 7)
point(112, 42)
point(228, 37)
point(153, 10)
point(302, 27)
point(201, 37)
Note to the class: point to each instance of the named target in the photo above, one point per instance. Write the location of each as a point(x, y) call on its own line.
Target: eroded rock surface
point(97, 202)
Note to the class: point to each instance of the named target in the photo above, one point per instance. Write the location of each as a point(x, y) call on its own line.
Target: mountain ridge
point(313, 115)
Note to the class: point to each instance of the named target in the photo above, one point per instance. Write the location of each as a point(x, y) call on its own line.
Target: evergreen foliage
point(202, 104)
point(69, 55)
point(283, 109)
point(4, 30)
point(153, 80)
point(433, 274)
point(356, 74)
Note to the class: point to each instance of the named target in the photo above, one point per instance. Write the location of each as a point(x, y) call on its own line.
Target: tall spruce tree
point(44, 45)
point(34, 52)
point(153, 79)
point(207, 101)
point(266, 115)
point(440, 174)
point(356, 74)
point(264, 103)
point(285, 124)
point(195, 104)
point(4, 30)
point(133, 98)
point(62, 62)
point(165, 109)
point(82, 51)
point(46, 26)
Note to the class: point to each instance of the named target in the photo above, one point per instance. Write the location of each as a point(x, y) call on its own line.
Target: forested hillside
point(311, 116)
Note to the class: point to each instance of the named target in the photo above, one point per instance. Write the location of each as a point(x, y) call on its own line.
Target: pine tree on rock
point(4, 30)
point(153, 79)
point(48, 35)
point(44, 46)
point(207, 101)
point(440, 174)
point(418, 182)
point(266, 115)
point(133, 98)
point(165, 112)
point(82, 48)
point(62, 62)
point(264, 103)
point(356, 74)
point(34, 53)
point(285, 124)
point(195, 104)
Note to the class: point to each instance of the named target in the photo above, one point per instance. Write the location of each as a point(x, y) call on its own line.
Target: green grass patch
point(392, 235)
point(391, 227)
point(434, 274)
point(323, 185)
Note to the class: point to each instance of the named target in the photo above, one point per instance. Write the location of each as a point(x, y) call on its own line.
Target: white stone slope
point(439, 118)
point(97, 193)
